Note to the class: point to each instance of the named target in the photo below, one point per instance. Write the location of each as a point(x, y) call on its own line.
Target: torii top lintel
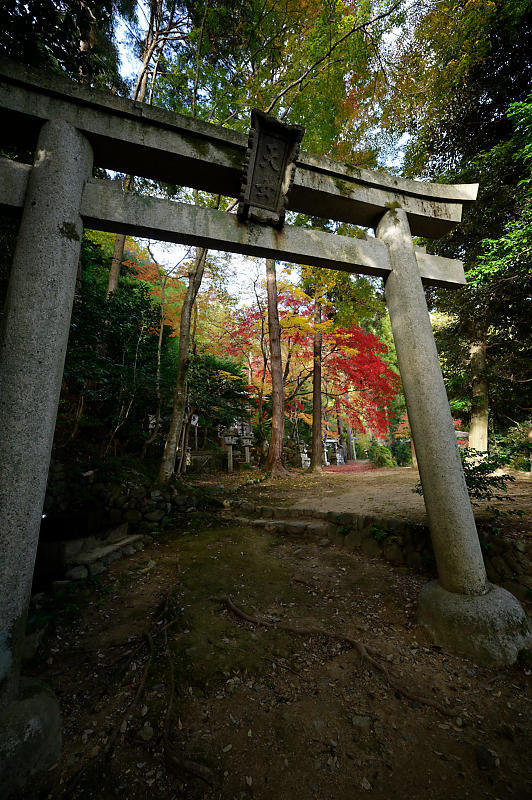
point(140, 140)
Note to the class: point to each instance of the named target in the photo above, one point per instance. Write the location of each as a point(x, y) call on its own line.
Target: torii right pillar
point(462, 610)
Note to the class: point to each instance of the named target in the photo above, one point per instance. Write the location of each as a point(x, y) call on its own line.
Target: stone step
point(399, 541)
point(108, 553)
point(73, 548)
point(317, 527)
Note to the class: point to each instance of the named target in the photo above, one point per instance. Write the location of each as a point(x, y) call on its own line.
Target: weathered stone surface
point(517, 589)
point(317, 527)
point(490, 629)
point(163, 146)
point(414, 559)
point(259, 523)
point(154, 516)
point(295, 526)
point(513, 562)
point(392, 552)
point(32, 642)
point(34, 334)
point(30, 736)
point(78, 573)
point(117, 534)
point(102, 552)
point(132, 515)
point(371, 547)
point(97, 569)
point(353, 540)
point(71, 548)
point(243, 521)
point(335, 535)
point(525, 580)
point(452, 525)
point(345, 519)
point(491, 572)
point(501, 567)
point(266, 512)
point(366, 528)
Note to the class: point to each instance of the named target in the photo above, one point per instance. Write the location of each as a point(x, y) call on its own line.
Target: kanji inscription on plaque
point(272, 150)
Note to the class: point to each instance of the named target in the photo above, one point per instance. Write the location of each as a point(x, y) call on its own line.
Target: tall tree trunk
point(340, 428)
point(413, 450)
point(478, 430)
point(317, 446)
point(180, 393)
point(350, 445)
point(157, 425)
point(184, 448)
point(116, 263)
point(274, 462)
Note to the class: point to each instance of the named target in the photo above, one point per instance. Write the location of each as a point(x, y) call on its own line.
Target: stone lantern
point(230, 440)
point(246, 442)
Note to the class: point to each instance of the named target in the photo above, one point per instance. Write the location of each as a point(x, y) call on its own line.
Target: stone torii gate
point(71, 129)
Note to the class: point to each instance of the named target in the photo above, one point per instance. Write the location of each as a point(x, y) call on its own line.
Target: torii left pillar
point(33, 344)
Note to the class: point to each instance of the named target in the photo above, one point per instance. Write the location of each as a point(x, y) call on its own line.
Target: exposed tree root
point(131, 707)
point(365, 652)
point(177, 764)
point(278, 469)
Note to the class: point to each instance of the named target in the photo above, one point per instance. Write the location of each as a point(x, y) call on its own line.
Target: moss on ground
point(210, 645)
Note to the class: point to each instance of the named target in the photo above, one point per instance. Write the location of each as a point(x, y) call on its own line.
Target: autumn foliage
point(357, 383)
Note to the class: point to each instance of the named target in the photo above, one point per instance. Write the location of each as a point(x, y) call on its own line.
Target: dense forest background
point(432, 90)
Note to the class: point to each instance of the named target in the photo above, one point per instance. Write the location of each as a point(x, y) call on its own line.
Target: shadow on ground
point(163, 687)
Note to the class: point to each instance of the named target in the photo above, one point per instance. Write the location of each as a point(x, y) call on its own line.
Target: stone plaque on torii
point(72, 129)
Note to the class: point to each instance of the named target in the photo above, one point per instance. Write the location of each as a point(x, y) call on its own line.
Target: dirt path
point(267, 713)
point(386, 492)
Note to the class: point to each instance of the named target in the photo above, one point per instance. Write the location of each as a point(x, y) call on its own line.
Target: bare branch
point(354, 29)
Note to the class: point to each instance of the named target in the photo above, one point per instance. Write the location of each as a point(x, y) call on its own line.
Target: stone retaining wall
point(130, 500)
point(508, 563)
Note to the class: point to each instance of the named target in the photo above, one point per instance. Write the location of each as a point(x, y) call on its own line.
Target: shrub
point(401, 451)
point(480, 474)
point(381, 456)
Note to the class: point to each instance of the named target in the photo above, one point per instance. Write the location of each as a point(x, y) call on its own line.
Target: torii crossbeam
point(71, 129)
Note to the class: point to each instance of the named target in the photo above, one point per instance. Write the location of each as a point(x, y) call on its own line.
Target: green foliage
point(380, 455)
point(515, 446)
point(455, 71)
point(217, 391)
point(48, 35)
point(483, 477)
point(111, 358)
point(401, 451)
point(379, 534)
point(313, 64)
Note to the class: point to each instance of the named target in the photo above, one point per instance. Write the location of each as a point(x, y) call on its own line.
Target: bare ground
point(161, 684)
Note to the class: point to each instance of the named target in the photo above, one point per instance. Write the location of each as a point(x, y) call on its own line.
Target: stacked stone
point(400, 542)
point(131, 501)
